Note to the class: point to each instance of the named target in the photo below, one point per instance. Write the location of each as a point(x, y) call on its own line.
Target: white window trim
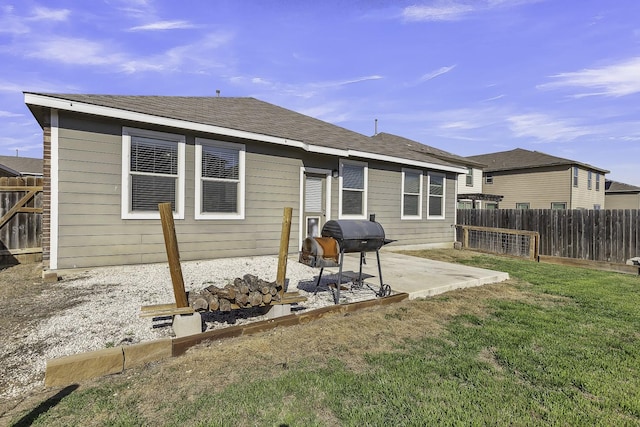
point(444, 195)
point(127, 133)
point(365, 191)
point(198, 180)
point(402, 194)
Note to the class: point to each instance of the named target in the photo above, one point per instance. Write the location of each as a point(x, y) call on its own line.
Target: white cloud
point(163, 25)
point(7, 114)
point(345, 82)
point(198, 56)
point(73, 51)
point(614, 80)
point(440, 71)
point(41, 13)
point(454, 10)
point(438, 12)
point(545, 128)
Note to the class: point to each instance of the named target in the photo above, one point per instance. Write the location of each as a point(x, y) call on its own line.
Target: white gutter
point(116, 113)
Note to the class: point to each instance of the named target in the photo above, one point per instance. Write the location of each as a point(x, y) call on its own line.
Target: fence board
point(603, 235)
point(23, 229)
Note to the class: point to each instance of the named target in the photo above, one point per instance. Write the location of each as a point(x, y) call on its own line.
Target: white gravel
point(111, 297)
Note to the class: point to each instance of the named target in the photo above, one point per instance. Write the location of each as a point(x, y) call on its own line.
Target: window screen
point(154, 173)
point(436, 195)
point(220, 179)
point(352, 189)
point(411, 194)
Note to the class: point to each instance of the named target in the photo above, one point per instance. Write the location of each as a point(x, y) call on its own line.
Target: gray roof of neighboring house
point(619, 187)
point(21, 165)
point(408, 146)
point(255, 116)
point(525, 159)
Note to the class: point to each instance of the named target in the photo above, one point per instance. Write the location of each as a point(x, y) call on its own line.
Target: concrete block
point(146, 352)
point(279, 310)
point(187, 324)
point(79, 367)
point(49, 276)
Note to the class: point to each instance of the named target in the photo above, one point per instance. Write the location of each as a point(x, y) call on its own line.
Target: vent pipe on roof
point(375, 127)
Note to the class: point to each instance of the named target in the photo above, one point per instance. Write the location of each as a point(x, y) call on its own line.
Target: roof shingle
point(525, 159)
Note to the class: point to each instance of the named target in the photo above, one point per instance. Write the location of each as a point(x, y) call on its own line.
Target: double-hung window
point(469, 177)
point(435, 208)
point(152, 173)
point(411, 194)
point(589, 179)
point(353, 189)
point(575, 176)
point(219, 180)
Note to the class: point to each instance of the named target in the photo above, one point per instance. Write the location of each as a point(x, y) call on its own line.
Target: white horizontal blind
point(436, 195)
point(220, 179)
point(411, 199)
point(154, 173)
point(352, 189)
point(313, 194)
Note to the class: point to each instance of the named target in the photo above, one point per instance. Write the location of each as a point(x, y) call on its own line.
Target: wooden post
point(171, 243)
point(465, 237)
point(284, 248)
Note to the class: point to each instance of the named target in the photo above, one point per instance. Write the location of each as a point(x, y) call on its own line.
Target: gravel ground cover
point(98, 308)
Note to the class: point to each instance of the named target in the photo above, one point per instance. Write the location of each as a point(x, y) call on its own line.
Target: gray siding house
point(534, 180)
point(228, 166)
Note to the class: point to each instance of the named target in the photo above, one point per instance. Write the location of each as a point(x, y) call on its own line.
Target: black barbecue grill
point(351, 236)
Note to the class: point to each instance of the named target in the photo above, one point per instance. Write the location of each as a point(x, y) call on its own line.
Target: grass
point(556, 345)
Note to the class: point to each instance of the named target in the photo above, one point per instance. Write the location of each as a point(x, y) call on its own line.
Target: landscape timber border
point(76, 368)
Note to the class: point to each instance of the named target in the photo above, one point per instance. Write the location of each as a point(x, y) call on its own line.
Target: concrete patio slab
point(418, 277)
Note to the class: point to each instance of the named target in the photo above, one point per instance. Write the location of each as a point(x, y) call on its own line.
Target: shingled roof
point(619, 187)
point(525, 159)
point(408, 147)
point(246, 115)
point(19, 166)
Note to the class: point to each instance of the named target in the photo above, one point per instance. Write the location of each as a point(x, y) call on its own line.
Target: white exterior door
point(314, 204)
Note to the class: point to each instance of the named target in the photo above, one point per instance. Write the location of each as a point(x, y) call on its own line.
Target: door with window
point(315, 194)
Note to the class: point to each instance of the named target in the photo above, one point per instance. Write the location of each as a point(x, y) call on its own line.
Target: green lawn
point(564, 350)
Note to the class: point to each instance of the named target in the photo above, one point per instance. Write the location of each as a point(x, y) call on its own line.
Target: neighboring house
point(533, 180)
point(228, 166)
point(14, 166)
point(621, 196)
point(470, 191)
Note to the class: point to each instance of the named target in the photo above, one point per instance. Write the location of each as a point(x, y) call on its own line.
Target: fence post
point(465, 237)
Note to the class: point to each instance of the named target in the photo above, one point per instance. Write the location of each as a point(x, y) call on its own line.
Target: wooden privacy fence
point(20, 215)
point(611, 235)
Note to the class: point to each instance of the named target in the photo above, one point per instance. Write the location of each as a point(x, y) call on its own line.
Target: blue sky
point(470, 77)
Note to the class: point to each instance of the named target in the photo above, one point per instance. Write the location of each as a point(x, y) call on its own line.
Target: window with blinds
point(411, 194)
point(353, 189)
point(152, 173)
point(436, 196)
point(220, 170)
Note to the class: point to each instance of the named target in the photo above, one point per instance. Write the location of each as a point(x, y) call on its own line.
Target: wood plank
point(167, 312)
point(173, 255)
